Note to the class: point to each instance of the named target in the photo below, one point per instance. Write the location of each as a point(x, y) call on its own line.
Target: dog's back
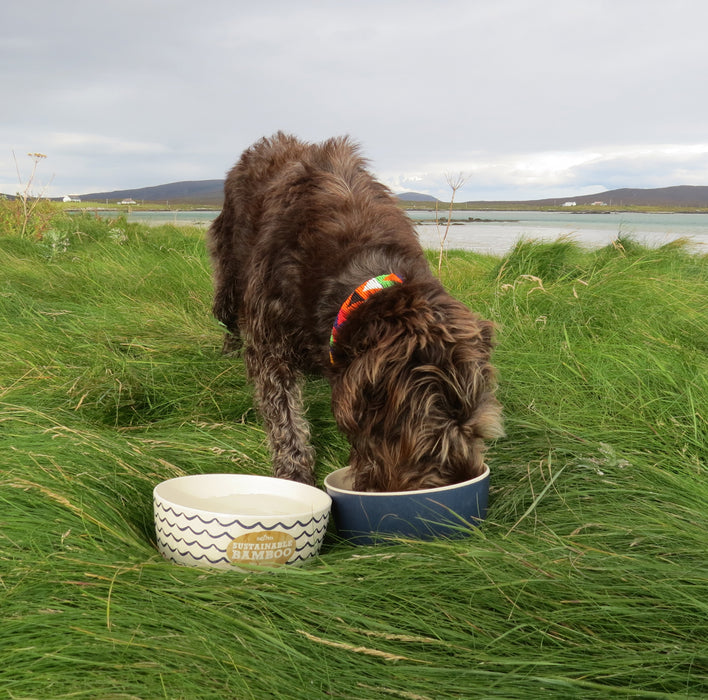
point(304, 222)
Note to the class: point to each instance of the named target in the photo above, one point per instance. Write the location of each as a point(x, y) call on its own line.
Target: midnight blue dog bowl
point(364, 517)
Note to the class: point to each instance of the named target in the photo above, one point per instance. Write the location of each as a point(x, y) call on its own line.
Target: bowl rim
point(326, 499)
point(383, 494)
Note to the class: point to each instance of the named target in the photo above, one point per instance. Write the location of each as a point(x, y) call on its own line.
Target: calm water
point(497, 232)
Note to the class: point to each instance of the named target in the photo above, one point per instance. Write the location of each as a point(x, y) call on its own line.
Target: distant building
point(599, 204)
point(128, 202)
point(569, 204)
point(69, 198)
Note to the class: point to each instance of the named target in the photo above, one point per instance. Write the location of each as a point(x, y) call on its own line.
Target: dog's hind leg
point(226, 310)
point(228, 288)
point(279, 398)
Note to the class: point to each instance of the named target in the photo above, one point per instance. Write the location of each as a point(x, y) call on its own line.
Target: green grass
point(589, 578)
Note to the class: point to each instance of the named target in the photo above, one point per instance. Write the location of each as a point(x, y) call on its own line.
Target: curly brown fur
point(302, 226)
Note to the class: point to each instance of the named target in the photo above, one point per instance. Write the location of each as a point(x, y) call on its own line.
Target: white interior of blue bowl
point(341, 481)
point(243, 495)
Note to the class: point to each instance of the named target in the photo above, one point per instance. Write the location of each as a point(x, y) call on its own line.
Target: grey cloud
point(426, 87)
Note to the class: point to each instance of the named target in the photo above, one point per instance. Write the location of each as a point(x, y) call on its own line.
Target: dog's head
point(415, 396)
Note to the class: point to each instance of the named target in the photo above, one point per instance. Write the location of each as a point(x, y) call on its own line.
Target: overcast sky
point(527, 98)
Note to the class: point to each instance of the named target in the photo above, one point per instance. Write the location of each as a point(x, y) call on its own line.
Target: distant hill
point(679, 196)
point(195, 192)
point(210, 193)
point(415, 197)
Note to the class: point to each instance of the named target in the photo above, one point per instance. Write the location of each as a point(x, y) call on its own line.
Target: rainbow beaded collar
point(356, 298)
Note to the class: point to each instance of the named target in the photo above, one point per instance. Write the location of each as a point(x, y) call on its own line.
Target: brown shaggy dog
point(303, 226)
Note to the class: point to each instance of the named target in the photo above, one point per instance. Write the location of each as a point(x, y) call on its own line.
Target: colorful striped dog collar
point(356, 298)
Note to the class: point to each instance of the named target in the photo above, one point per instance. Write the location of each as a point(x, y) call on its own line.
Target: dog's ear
point(363, 389)
point(455, 362)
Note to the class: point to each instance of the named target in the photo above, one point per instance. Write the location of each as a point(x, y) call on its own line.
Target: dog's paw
point(232, 344)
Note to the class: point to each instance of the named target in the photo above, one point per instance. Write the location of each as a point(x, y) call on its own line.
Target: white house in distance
point(69, 198)
point(128, 202)
point(570, 204)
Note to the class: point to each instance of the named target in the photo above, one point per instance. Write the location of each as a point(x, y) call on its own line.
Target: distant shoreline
point(442, 209)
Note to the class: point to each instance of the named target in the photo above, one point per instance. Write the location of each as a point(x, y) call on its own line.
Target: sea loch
point(496, 232)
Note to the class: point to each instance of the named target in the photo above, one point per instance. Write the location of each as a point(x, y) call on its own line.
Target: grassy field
point(589, 578)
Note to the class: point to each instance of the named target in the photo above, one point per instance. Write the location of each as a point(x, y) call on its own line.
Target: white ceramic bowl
point(364, 517)
point(223, 520)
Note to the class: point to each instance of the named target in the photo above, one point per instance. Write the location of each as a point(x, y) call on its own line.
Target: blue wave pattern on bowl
point(181, 550)
point(366, 518)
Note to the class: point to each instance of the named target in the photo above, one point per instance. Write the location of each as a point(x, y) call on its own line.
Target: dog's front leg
point(279, 398)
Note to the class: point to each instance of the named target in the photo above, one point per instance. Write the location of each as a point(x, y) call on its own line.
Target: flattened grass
point(589, 579)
